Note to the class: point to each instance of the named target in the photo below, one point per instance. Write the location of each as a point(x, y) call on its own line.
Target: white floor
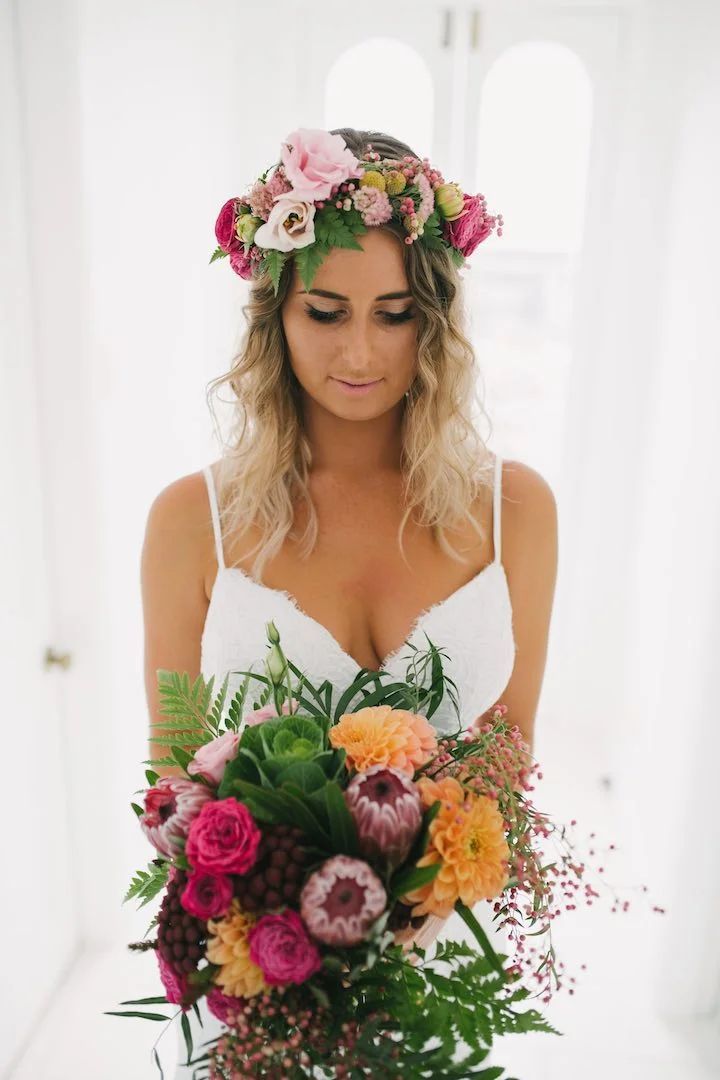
point(610, 1028)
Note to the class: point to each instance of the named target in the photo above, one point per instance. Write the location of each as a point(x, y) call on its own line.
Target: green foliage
point(309, 259)
point(338, 228)
point(218, 253)
point(274, 261)
point(147, 883)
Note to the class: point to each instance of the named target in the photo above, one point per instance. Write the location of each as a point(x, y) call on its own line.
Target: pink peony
point(267, 712)
point(472, 227)
point(224, 1006)
point(174, 982)
point(225, 227)
point(170, 808)
point(341, 900)
point(242, 264)
point(223, 838)
point(387, 810)
point(316, 161)
point(210, 760)
point(207, 896)
point(281, 946)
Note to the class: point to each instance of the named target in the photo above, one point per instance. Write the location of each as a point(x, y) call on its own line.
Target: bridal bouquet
point(307, 833)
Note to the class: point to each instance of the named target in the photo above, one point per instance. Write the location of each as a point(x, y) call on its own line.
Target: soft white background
point(593, 128)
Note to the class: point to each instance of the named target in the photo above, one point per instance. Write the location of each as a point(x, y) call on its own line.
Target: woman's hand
point(423, 936)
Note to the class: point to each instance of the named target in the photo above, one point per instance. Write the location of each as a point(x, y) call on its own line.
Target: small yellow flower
point(467, 836)
point(228, 946)
point(394, 182)
point(371, 178)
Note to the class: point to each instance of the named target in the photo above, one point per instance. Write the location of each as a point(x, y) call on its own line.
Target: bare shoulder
point(178, 532)
point(529, 517)
point(523, 486)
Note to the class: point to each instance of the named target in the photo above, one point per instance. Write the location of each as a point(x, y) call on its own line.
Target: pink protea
point(171, 806)
point(341, 900)
point(387, 810)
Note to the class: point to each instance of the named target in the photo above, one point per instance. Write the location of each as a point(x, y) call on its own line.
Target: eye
point(333, 316)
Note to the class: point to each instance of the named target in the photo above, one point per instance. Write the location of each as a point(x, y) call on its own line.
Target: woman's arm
point(530, 557)
point(174, 565)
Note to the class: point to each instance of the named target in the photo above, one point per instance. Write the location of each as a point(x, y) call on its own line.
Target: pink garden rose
point(223, 838)
point(224, 1006)
point(316, 161)
point(225, 227)
point(267, 712)
point(282, 947)
point(242, 264)
point(171, 805)
point(207, 896)
point(210, 760)
point(472, 227)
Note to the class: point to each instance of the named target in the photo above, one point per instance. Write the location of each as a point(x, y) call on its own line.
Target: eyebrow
point(339, 296)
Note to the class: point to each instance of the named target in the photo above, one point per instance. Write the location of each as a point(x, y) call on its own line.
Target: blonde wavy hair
point(266, 459)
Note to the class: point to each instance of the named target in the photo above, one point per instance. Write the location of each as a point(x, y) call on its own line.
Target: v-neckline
point(392, 656)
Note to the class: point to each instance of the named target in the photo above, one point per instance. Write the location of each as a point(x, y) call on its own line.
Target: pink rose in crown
point(242, 264)
point(268, 712)
point(472, 227)
point(282, 947)
point(223, 838)
point(210, 760)
point(225, 227)
point(207, 896)
point(316, 161)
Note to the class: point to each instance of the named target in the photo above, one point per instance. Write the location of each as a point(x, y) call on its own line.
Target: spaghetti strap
point(497, 507)
point(212, 496)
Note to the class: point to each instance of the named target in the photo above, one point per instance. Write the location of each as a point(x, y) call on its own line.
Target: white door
point(36, 900)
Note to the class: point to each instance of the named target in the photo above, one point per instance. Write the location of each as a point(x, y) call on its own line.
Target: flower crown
point(321, 196)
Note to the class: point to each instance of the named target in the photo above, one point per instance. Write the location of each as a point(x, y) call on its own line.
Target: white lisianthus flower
point(291, 225)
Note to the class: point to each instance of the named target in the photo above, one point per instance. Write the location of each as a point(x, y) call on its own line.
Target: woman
point(357, 519)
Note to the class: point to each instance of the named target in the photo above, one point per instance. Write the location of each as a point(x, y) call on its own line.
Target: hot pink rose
point(225, 233)
point(174, 982)
point(210, 760)
point(207, 896)
point(224, 1006)
point(282, 947)
point(315, 161)
point(472, 227)
point(268, 712)
point(223, 838)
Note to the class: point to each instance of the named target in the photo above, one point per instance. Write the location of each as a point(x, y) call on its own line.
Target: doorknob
point(61, 659)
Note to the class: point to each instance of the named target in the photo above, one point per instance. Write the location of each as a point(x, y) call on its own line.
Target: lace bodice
point(473, 625)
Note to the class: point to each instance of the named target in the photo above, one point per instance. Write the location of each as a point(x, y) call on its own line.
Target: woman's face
point(357, 324)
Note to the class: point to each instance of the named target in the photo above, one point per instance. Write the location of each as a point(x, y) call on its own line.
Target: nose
point(358, 351)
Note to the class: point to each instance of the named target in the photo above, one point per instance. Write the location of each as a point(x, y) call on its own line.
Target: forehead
point(375, 271)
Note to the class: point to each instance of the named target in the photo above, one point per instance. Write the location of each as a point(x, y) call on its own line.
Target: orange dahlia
point(467, 836)
point(381, 735)
point(228, 946)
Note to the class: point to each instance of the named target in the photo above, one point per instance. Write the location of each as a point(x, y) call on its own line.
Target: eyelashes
point(333, 316)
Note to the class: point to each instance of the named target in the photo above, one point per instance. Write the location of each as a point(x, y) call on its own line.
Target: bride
point(355, 503)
